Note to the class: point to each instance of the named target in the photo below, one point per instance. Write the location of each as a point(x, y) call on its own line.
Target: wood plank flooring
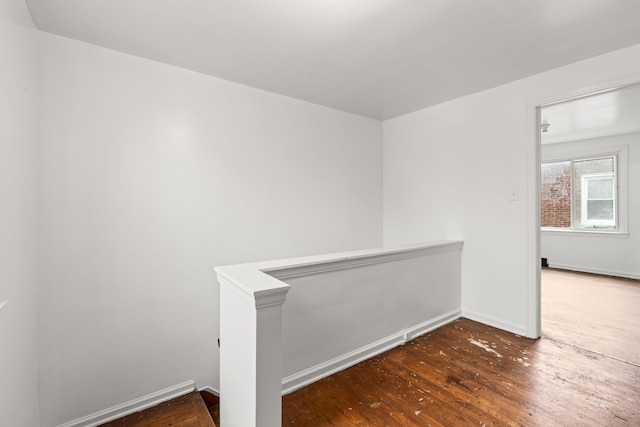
point(598, 313)
point(184, 411)
point(468, 374)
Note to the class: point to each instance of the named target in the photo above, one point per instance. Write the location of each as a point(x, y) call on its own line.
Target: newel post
point(250, 352)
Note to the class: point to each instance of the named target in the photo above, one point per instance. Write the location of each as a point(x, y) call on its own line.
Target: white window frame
point(620, 154)
point(584, 199)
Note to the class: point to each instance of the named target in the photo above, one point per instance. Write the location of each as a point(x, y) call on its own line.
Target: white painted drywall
point(450, 170)
point(603, 253)
point(335, 315)
point(152, 175)
point(18, 216)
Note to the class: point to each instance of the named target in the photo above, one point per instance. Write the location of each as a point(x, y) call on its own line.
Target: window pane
point(601, 188)
point(600, 209)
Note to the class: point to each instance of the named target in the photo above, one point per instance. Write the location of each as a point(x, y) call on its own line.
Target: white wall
point(151, 176)
point(449, 171)
point(18, 216)
point(617, 255)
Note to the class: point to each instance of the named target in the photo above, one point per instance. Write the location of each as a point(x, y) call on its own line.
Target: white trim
point(584, 232)
point(533, 328)
point(585, 153)
point(360, 261)
point(133, 406)
point(496, 323)
point(315, 373)
point(604, 272)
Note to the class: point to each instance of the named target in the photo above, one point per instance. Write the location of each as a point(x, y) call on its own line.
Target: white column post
point(251, 354)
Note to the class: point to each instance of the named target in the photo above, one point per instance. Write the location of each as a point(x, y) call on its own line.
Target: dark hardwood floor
point(468, 374)
point(184, 411)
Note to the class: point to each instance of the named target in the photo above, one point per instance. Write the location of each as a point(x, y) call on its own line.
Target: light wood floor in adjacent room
point(598, 313)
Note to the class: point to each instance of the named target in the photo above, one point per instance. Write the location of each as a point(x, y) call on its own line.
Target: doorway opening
point(589, 201)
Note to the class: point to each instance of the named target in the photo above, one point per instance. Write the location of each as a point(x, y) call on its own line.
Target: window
point(580, 194)
point(598, 201)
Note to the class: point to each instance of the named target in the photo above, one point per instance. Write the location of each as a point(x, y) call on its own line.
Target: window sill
point(590, 233)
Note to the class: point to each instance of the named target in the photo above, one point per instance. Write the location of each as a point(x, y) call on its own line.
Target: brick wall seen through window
point(555, 197)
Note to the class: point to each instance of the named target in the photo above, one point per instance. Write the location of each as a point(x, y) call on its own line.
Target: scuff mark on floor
point(483, 344)
point(521, 361)
point(504, 340)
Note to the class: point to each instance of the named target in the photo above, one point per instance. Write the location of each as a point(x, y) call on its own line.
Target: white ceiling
point(377, 58)
point(605, 114)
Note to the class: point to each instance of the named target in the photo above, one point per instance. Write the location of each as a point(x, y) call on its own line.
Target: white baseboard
point(315, 373)
point(132, 406)
point(496, 323)
point(604, 272)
